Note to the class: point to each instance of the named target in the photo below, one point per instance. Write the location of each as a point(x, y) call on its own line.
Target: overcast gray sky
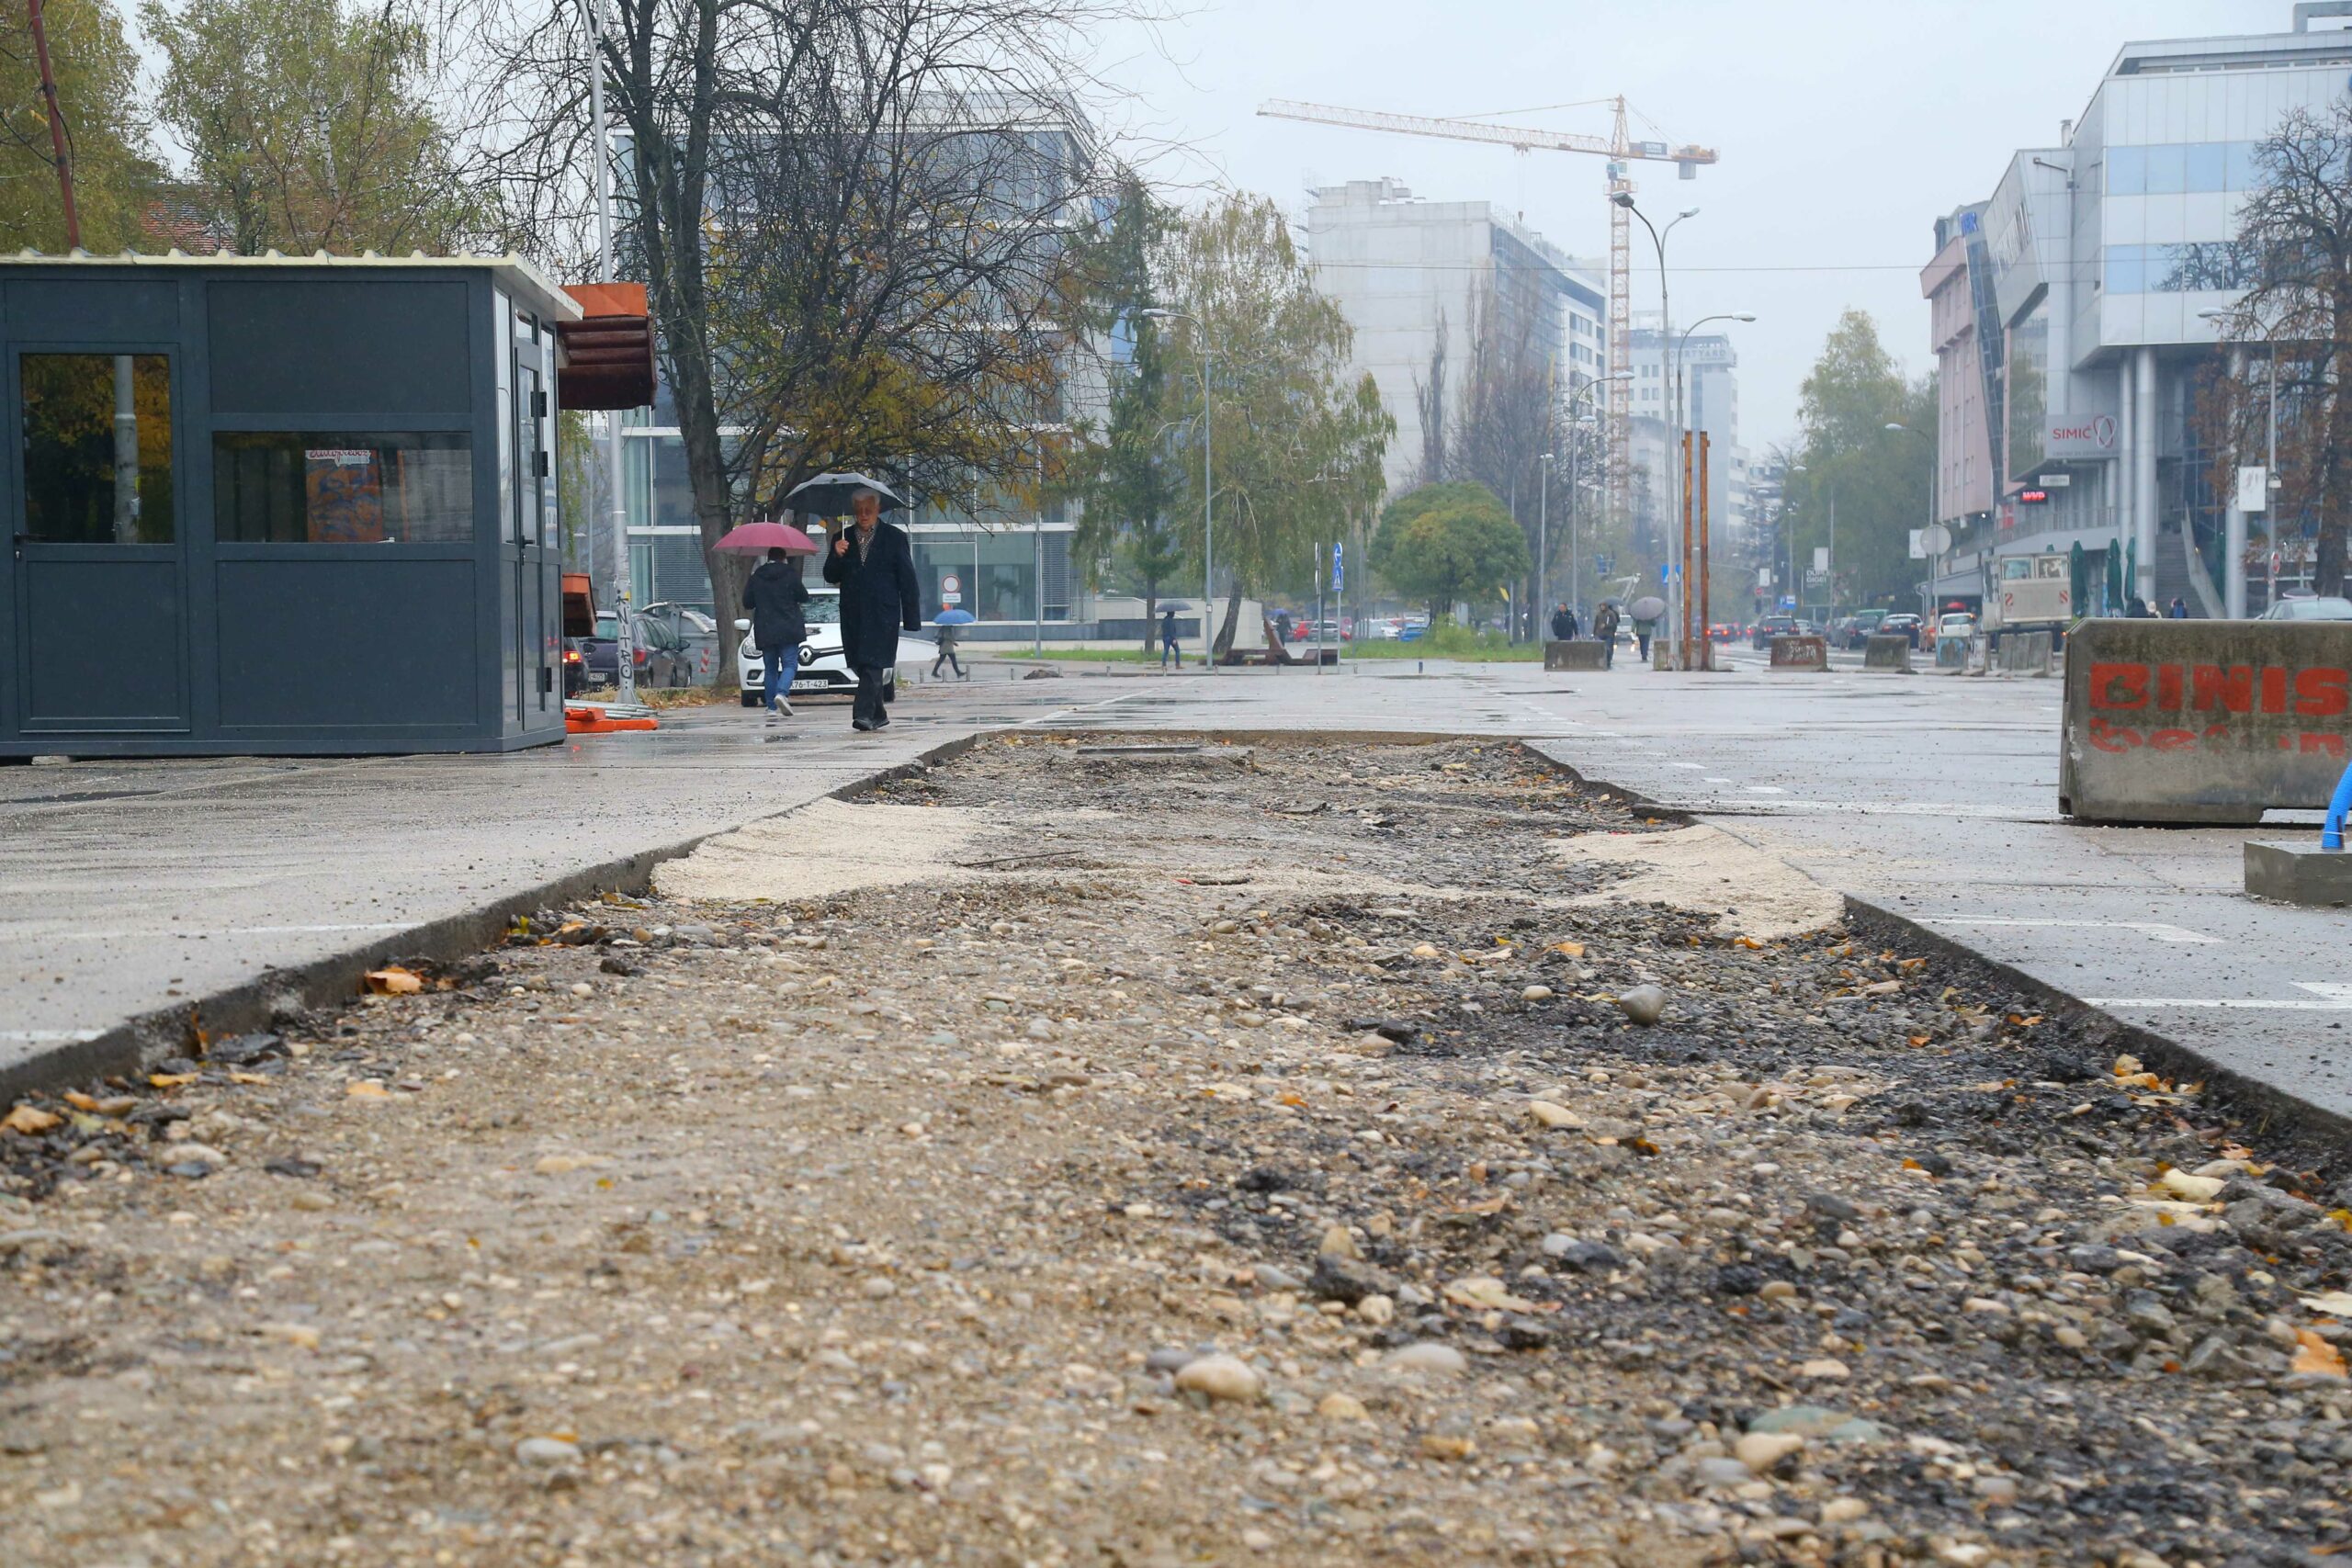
point(1845, 129)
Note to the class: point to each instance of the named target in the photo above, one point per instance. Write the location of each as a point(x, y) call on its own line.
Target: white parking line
point(1712, 780)
point(2156, 929)
point(2262, 1004)
point(1693, 766)
point(1765, 789)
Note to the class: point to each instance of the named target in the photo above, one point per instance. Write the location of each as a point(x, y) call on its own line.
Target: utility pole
point(57, 141)
point(1706, 614)
point(624, 590)
point(1680, 608)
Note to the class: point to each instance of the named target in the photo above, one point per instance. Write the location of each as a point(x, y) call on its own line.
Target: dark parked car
point(1904, 624)
point(1771, 627)
point(1854, 631)
point(661, 657)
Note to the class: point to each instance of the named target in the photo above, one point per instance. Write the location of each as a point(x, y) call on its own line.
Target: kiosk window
point(97, 449)
point(338, 488)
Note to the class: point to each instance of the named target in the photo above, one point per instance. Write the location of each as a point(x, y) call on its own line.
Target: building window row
point(2178, 167)
point(2210, 264)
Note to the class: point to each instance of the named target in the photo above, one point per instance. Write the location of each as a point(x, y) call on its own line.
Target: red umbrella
point(755, 538)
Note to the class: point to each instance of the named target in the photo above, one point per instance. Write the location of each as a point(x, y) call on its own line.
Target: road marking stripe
point(2156, 929)
point(2239, 1002)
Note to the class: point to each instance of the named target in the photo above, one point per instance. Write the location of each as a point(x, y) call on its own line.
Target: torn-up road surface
point(1254, 1153)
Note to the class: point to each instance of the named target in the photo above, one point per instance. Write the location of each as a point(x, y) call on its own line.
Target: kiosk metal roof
point(518, 275)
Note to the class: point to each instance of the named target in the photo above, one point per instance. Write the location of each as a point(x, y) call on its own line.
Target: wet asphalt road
point(125, 887)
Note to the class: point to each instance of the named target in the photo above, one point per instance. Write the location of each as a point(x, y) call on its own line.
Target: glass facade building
point(2102, 254)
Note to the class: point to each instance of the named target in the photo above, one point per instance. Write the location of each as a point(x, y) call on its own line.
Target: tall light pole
point(2234, 540)
point(1681, 346)
point(1576, 584)
point(1208, 484)
point(1625, 199)
point(624, 620)
point(1935, 557)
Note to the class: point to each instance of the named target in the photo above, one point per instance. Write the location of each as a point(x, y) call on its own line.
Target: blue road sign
point(1339, 567)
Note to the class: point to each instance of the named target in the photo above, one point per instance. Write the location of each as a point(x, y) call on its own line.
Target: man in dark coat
point(779, 626)
point(1564, 624)
point(873, 566)
point(1605, 626)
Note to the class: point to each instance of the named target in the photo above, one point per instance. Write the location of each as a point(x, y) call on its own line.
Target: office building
point(1710, 403)
point(1409, 274)
point(2086, 278)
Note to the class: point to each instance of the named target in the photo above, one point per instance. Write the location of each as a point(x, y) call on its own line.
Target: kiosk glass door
point(99, 581)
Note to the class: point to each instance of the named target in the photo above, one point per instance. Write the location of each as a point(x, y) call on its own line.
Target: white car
point(822, 666)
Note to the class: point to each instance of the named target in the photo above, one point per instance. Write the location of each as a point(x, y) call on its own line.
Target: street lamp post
point(1935, 557)
point(1208, 484)
point(624, 620)
point(2234, 540)
point(1543, 540)
point(1625, 199)
point(1576, 579)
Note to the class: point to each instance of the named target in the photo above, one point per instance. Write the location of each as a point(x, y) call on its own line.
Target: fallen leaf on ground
point(2335, 1303)
point(171, 1080)
point(394, 981)
point(1485, 1292)
point(80, 1102)
point(28, 1121)
point(1568, 949)
point(2317, 1356)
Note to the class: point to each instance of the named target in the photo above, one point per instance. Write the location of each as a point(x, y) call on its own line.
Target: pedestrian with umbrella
point(774, 598)
point(947, 620)
point(1647, 611)
point(873, 566)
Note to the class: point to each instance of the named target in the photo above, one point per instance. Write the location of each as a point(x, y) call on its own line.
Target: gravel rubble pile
point(1261, 1153)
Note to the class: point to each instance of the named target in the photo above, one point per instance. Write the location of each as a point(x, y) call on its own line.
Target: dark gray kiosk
point(279, 506)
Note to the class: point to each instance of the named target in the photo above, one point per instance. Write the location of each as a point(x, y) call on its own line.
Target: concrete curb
point(2314, 1137)
point(2306, 1133)
point(335, 979)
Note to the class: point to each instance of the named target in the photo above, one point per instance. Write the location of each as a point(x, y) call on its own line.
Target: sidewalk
point(131, 889)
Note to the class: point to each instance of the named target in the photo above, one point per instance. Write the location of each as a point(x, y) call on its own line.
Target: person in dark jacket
point(1564, 624)
point(779, 626)
point(1168, 649)
point(2179, 610)
point(873, 566)
point(1605, 626)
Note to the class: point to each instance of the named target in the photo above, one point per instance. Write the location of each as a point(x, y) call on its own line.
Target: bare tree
point(853, 217)
point(2293, 257)
point(1428, 398)
point(1511, 413)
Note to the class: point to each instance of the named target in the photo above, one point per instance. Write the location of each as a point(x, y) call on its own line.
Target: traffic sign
point(1339, 567)
point(951, 590)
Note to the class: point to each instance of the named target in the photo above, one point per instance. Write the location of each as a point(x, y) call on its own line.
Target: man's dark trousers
point(867, 708)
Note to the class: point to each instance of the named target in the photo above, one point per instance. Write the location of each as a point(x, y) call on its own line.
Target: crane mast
point(1620, 150)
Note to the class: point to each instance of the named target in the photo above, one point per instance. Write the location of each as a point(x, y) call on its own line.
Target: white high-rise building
point(1406, 272)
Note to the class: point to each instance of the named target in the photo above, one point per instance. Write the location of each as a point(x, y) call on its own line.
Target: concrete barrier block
point(2298, 872)
point(1580, 654)
point(1800, 653)
point(2024, 653)
point(1891, 653)
point(2203, 721)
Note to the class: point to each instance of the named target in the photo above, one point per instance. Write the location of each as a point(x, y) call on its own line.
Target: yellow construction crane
point(1617, 147)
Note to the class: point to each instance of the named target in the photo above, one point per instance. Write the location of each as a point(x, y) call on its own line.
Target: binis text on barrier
point(2203, 721)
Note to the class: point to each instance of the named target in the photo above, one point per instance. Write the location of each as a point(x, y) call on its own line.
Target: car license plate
point(817, 685)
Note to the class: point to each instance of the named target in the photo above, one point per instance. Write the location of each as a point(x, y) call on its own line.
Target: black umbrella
point(828, 495)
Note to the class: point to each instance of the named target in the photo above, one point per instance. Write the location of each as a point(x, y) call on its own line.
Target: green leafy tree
point(97, 96)
point(1877, 477)
point(309, 128)
point(1124, 472)
point(1296, 440)
point(1447, 545)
